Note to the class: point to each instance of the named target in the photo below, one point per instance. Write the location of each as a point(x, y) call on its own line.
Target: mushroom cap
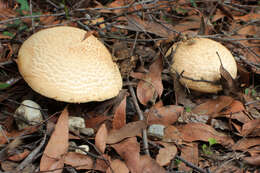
point(198, 60)
point(65, 64)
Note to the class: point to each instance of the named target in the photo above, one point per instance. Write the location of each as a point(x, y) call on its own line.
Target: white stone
point(84, 147)
point(28, 114)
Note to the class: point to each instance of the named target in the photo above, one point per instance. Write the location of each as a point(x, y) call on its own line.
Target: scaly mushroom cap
point(198, 59)
point(65, 64)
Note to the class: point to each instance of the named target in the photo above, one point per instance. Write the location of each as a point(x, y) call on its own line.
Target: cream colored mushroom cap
point(198, 59)
point(65, 64)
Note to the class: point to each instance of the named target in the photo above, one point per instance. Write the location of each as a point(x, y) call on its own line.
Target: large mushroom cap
point(65, 64)
point(198, 60)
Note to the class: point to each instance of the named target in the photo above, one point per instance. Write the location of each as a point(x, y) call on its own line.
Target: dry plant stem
point(141, 117)
point(31, 13)
point(29, 159)
point(191, 165)
point(27, 17)
point(4, 134)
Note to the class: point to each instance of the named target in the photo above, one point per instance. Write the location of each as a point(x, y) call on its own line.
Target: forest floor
point(155, 124)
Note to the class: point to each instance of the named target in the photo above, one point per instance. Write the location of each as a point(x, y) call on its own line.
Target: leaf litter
point(138, 34)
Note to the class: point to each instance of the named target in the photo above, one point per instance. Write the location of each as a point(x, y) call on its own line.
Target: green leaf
point(24, 5)
point(253, 92)
point(4, 86)
point(8, 34)
point(187, 109)
point(212, 141)
point(193, 3)
point(22, 27)
point(246, 91)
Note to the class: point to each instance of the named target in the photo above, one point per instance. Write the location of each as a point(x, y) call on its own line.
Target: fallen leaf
point(8, 166)
point(254, 160)
point(251, 128)
point(172, 134)
point(166, 115)
point(82, 161)
point(166, 154)
point(95, 122)
point(245, 143)
point(57, 147)
point(191, 154)
point(118, 167)
point(203, 132)
point(150, 84)
point(149, 165)
point(100, 139)
point(129, 150)
point(78, 161)
point(119, 119)
point(157, 28)
point(129, 130)
point(235, 107)
point(20, 156)
point(248, 17)
point(213, 106)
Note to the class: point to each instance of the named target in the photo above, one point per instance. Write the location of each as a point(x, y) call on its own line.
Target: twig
point(252, 102)
point(31, 12)
point(189, 164)
point(29, 159)
point(141, 117)
point(27, 17)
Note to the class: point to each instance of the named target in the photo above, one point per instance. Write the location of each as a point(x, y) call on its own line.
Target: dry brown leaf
point(20, 156)
point(119, 119)
point(8, 166)
point(129, 150)
point(189, 23)
point(118, 167)
point(191, 154)
point(57, 147)
point(100, 139)
point(172, 134)
point(245, 143)
point(253, 151)
point(239, 116)
point(248, 17)
point(137, 24)
point(166, 115)
point(235, 107)
point(16, 133)
point(149, 165)
point(203, 132)
point(129, 130)
point(251, 128)
point(78, 161)
point(95, 122)
point(254, 160)
point(166, 155)
point(82, 161)
point(213, 106)
point(150, 86)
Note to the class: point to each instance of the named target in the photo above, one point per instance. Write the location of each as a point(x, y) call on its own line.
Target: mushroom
point(198, 64)
point(67, 64)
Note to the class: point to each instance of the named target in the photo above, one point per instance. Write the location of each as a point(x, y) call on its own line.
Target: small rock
point(156, 131)
point(77, 124)
point(84, 147)
point(28, 114)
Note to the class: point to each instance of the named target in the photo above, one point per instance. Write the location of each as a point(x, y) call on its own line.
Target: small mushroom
point(28, 113)
point(198, 64)
point(67, 64)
